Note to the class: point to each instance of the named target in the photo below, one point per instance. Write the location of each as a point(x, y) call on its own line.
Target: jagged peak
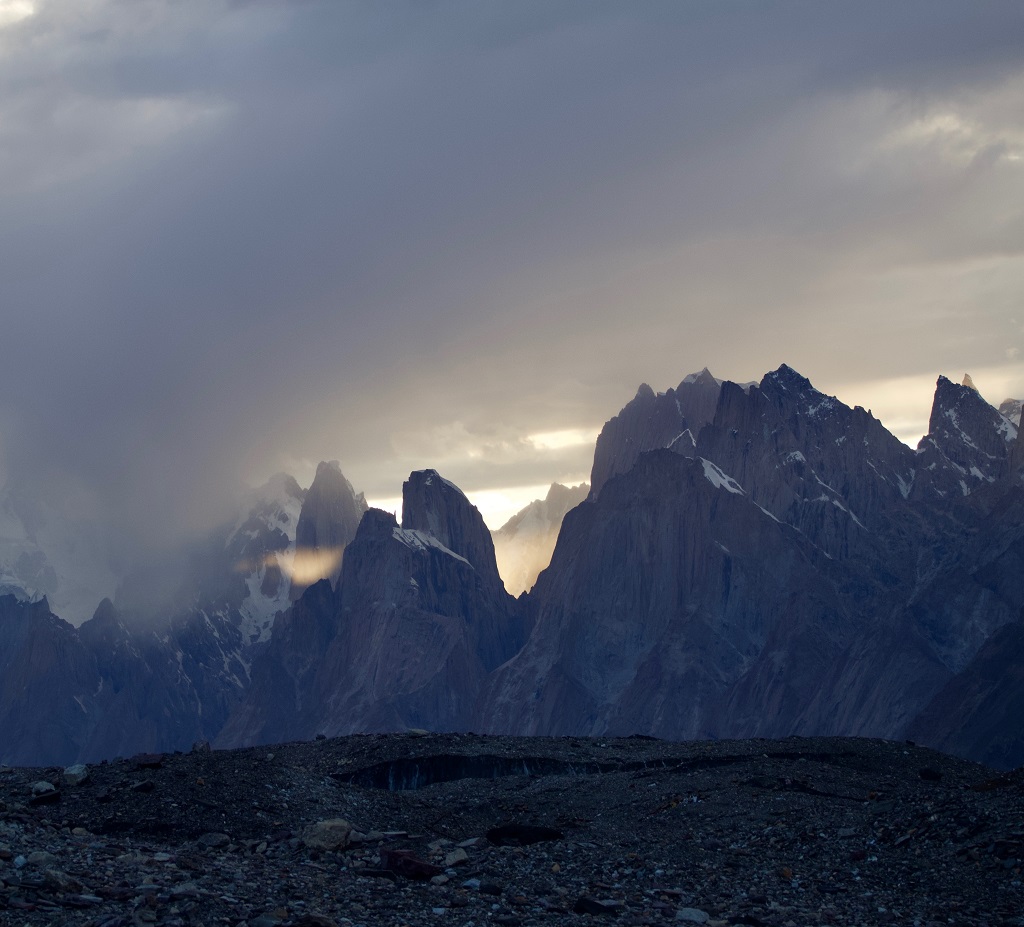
point(281, 484)
point(644, 392)
point(330, 471)
point(105, 612)
point(786, 378)
point(375, 521)
point(427, 478)
point(438, 508)
point(947, 392)
point(560, 490)
point(704, 378)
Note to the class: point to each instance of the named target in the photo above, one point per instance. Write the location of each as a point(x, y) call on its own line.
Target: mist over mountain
point(753, 559)
point(523, 545)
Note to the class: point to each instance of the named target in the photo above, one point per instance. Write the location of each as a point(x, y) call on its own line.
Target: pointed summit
point(651, 421)
point(327, 523)
point(968, 382)
point(967, 442)
point(786, 378)
point(704, 378)
point(436, 506)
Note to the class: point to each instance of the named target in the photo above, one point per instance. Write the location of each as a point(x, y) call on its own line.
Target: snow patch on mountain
point(1010, 410)
point(421, 541)
point(263, 542)
point(714, 475)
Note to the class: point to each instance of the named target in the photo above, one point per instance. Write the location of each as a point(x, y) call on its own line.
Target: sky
point(243, 236)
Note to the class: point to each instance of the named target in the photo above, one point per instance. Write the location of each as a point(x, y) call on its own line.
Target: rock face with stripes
point(796, 574)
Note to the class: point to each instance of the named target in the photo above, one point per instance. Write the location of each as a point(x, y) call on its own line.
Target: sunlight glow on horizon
point(13, 11)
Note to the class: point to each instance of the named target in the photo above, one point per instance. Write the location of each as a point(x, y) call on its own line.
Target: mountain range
point(748, 560)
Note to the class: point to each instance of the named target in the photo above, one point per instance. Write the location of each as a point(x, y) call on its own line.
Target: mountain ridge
point(788, 568)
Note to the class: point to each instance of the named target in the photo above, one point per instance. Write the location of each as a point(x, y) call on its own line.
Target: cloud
point(241, 235)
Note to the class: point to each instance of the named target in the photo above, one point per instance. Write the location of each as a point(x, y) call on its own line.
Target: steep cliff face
point(436, 507)
point(160, 688)
point(523, 545)
point(414, 630)
point(1016, 465)
point(807, 583)
point(328, 520)
point(663, 595)
point(83, 694)
point(968, 444)
point(792, 568)
point(830, 471)
point(650, 421)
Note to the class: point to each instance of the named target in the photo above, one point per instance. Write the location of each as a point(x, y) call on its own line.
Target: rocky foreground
point(461, 829)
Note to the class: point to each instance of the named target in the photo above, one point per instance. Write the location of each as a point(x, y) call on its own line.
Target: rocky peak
point(328, 520)
point(968, 382)
point(651, 421)
point(833, 472)
point(437, 507)
point(967, 445)
point(1010, 410)
point(704, 378)
point(697, 397)
point(787, 379)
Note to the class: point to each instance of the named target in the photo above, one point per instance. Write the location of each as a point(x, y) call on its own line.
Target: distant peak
point(704, 378)
point(105, 612)
point(787, 378)
point(560, 489)
point(281, 484)
point(644, 392)
point(954, 392)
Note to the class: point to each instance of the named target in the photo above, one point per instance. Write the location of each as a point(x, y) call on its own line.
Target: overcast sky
point(241, 236)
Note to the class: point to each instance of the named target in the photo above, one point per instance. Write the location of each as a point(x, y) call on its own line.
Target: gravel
point(546, 831)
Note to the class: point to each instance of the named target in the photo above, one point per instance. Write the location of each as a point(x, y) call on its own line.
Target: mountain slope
point(409, 638)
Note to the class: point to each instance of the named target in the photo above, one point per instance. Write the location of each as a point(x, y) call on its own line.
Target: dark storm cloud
point(237, 234)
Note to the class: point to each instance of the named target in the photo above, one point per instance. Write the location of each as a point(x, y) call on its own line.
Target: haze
point(239, 237)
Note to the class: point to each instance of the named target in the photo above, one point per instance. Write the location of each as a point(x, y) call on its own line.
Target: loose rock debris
point(543, 831)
